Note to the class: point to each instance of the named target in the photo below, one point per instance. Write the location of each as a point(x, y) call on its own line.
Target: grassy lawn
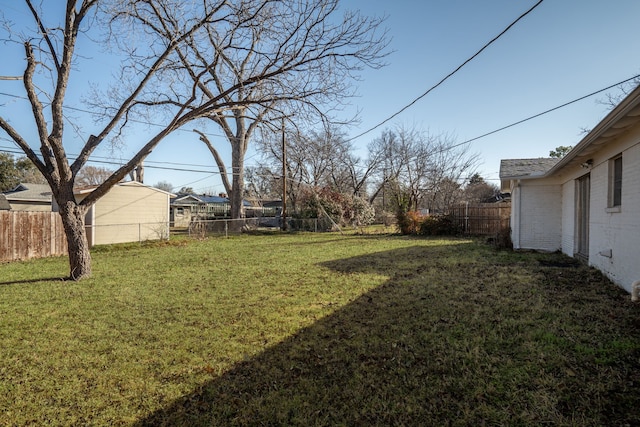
point(317, 329)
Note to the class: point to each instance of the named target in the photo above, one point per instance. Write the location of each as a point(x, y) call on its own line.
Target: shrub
point(439, 225)
point(362, 212)
point(409, 222)
point(503, 239)
point(342, 208)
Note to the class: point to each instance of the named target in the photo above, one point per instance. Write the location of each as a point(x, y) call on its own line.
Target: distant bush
point(409, 221)
point(343, 209)
point(439, 225)
point(413, 222)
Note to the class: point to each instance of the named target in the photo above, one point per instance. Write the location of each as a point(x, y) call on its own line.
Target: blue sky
point(561, 51)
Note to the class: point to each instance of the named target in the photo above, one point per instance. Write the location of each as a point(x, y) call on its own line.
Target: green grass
point(317, 329)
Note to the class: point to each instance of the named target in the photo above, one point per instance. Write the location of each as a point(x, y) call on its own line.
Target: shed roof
point(90, 188)
point(510, 168)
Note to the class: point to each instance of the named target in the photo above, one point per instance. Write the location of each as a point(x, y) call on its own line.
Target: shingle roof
point(511, 168)
point(189, 199)
point(28, 191)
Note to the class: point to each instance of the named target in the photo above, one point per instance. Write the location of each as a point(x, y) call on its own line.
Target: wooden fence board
point(482, 219)
point(25, 235)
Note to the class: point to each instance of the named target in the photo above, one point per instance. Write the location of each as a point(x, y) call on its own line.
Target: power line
point(13, 150)
point(113, 162)
point(545, 112)
point(581, 98)
point(80, 110)
point(397, 113)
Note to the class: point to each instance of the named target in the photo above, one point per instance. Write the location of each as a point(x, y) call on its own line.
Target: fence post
point(466, 218)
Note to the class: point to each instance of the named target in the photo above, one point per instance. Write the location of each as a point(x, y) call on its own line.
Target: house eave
point(623, 116)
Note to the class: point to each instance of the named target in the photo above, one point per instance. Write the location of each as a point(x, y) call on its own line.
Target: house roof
point(89, 189)
point(190, 199)
point(510, 168)
point(28, 192)
point(618, 121)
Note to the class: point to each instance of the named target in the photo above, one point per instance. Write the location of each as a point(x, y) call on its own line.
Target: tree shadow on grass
point(44, 279)
point(442, 342)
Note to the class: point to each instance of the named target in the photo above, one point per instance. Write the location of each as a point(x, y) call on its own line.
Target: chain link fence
point(224, 227)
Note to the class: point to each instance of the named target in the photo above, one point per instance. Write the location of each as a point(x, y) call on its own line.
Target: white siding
point(129, 212)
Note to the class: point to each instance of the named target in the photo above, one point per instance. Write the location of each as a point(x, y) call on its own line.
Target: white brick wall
point(540, 222)
point(543, 211)
point(618, 232)
point(568, 217)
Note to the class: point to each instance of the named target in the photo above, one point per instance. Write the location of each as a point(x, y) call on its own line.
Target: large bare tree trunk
point(74, 227)
point(237, 209)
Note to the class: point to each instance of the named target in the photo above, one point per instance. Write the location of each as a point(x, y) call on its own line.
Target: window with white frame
point(615, 181)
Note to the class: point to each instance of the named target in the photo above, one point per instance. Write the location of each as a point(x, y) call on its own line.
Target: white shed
point(129, 212)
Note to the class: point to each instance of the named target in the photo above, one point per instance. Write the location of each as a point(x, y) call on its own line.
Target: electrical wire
point(543, 113)
point(80, 110)
point(471, 58)
point(13, 150)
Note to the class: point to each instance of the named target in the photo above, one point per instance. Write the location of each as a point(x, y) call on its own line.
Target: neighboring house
point(186, 207)
point(586, 204)
point(30, 197)
point(129, 212)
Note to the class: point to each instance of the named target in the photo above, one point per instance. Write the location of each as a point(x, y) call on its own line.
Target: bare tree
point(316, 159)
point(612, 100)
point(263, 182)
point(211, 60)
point(50, 55)
point(164, 186)
point(418, 165)
point(92, 175)
point(478, 190)
point(270, 59)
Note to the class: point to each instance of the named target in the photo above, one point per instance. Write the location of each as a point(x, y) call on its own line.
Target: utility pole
point(284, 180)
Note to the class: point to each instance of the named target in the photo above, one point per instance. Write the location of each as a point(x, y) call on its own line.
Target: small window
point(615, 182)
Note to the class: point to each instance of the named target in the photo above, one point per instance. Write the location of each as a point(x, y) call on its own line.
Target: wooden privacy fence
point(25, 235)
point(484, 219)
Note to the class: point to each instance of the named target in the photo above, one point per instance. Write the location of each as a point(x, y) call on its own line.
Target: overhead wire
point(542, 113)
point(81, 110)
point(14, 150)
point(392, 116)
point(471, 58)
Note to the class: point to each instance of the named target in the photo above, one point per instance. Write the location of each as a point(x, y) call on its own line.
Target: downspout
point(635, 291)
